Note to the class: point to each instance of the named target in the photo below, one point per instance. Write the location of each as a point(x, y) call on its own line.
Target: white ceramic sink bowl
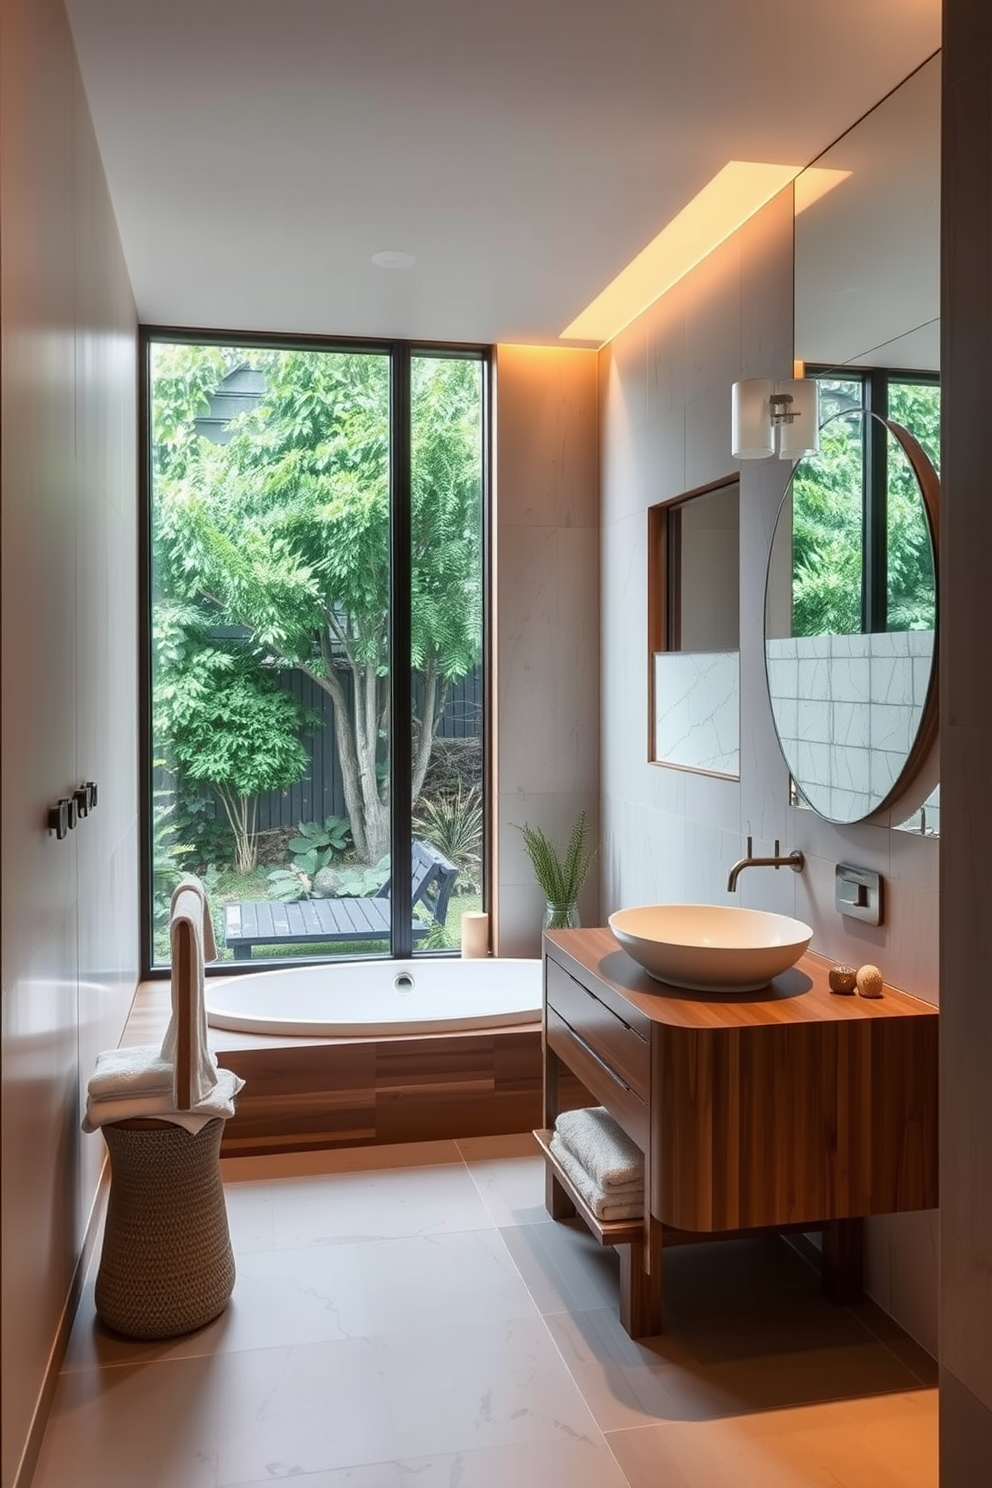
point(710, 947)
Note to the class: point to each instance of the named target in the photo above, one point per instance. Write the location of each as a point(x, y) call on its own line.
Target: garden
point(271, 593)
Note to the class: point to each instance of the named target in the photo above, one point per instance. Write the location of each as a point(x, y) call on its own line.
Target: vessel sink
point(710, 947)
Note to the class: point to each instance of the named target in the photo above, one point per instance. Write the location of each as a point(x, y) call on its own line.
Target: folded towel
point(603, 1148)
point(190, 881)
point(162, 1107)
point(190, 915)
point(605, 1206)
point(121, 1074)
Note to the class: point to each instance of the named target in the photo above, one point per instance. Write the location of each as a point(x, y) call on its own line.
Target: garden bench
point(315, 921)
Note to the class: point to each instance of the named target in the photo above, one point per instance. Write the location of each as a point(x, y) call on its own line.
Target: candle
point(475, 935)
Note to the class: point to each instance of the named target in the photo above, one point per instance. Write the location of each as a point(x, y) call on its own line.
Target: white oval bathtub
point(355, 999)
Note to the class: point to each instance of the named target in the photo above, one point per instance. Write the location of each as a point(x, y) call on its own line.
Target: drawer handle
point(598, 1059)
point(602, 1006)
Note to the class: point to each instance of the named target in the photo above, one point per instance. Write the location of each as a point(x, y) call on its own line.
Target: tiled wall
point(546, 543)
point(847, 709)
point(673, 834)
point(69, 678)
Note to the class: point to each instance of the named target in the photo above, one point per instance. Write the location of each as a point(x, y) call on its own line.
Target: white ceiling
point(259, 153)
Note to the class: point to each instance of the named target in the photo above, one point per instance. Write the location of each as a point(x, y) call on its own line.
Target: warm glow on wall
point(815, 182)
point(724, 204)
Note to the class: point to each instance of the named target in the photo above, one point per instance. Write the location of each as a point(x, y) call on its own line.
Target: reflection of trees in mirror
point(279, 537)
point(828, 515)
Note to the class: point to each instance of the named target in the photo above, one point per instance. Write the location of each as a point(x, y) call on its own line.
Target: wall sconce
point(770, 418)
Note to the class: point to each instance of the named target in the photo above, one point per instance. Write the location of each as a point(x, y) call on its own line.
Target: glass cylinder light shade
point(751, 434)
point(802, 436)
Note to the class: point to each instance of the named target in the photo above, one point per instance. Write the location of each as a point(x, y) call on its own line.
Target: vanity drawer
point(609, 1037)
point(609, 1088)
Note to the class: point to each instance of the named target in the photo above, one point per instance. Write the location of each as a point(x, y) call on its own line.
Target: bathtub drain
point(403, 982)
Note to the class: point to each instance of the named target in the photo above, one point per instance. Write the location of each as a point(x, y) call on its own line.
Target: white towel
point(220, 1102)
point(121, 1074)
point(605, 1206)
point(140, 1082)
point(189, 907)
point(602, 1147)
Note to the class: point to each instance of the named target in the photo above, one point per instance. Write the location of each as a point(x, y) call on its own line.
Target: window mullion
point(400, 670)
point(876, 480)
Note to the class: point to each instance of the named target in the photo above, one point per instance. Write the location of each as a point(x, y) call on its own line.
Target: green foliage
point(318, 842)
point(827, 533)
point(360, 881)
point(453, 824)
point(560, 875)
point(289, 884)
point(230, 723)
point(283, 533)
point(167, 850)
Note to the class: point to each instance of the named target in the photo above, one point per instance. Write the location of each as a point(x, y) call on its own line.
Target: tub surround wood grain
point(312, 1092)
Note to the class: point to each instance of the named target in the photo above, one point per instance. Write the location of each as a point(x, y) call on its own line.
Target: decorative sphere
point(843, 979)
point(870, 981)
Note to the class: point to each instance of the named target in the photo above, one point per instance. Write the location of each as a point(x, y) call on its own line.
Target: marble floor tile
point(888, 1442)
point(311, 1295)
point(400, 1322)
point(539, 1464)
point(477, 1385)
point(564, 1267)
point(288, 1412)
point(133, 1428)
point(512, 1186)
point(425, 1282)
point(376, 1205)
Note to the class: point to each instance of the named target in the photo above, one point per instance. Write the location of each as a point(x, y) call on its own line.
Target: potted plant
point(560, 875)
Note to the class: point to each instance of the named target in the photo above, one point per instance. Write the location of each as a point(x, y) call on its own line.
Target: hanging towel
point(141, 1082)
point(190, 915)
point(626, 1204)
point(220, 1102)
point(602, 1147)
point(191, 882)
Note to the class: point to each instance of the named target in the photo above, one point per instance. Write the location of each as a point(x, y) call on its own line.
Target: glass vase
point(561, 916)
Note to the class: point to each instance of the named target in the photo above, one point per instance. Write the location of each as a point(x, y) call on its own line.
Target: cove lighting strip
point(725, 203)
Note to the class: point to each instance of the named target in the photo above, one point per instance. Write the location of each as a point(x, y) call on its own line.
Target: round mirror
point(851, 621)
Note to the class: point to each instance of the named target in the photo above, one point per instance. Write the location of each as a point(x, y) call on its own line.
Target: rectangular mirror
point(867, 279)
point(694, 584)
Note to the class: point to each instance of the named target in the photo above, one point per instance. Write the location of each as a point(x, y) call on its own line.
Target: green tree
point(231, 724)
point(284, 532)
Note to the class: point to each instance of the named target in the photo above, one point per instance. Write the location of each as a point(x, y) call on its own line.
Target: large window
point(316, 716)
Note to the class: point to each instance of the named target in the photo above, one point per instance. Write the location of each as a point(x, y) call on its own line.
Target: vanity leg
point(640, 1284)
point(556, 1200)
point(843, 1260)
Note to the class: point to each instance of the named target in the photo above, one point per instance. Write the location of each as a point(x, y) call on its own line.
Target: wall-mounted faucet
point(795, 861)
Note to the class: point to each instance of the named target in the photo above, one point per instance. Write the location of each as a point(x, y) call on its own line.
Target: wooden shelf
point(606, 1231)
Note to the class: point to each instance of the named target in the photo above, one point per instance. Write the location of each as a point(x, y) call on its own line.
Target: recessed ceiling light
point(725, 203)
point(391, 259)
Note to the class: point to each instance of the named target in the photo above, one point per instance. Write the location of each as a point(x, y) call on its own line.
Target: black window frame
point(401, 354)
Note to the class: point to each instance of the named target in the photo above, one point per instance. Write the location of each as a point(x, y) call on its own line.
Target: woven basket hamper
point(167, 1266)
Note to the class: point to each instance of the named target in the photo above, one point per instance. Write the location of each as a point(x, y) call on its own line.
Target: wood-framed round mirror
point(851, 621)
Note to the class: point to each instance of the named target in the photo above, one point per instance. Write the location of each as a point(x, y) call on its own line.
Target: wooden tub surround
point(788, 1108)
point(314, 1092)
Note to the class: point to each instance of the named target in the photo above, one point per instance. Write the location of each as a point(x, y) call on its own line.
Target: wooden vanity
point(785, 1108)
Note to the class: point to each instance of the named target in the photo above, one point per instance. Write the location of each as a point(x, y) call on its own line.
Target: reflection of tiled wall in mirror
point(847, 709)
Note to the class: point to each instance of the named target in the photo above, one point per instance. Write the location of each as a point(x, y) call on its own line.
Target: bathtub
point(371, 998)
